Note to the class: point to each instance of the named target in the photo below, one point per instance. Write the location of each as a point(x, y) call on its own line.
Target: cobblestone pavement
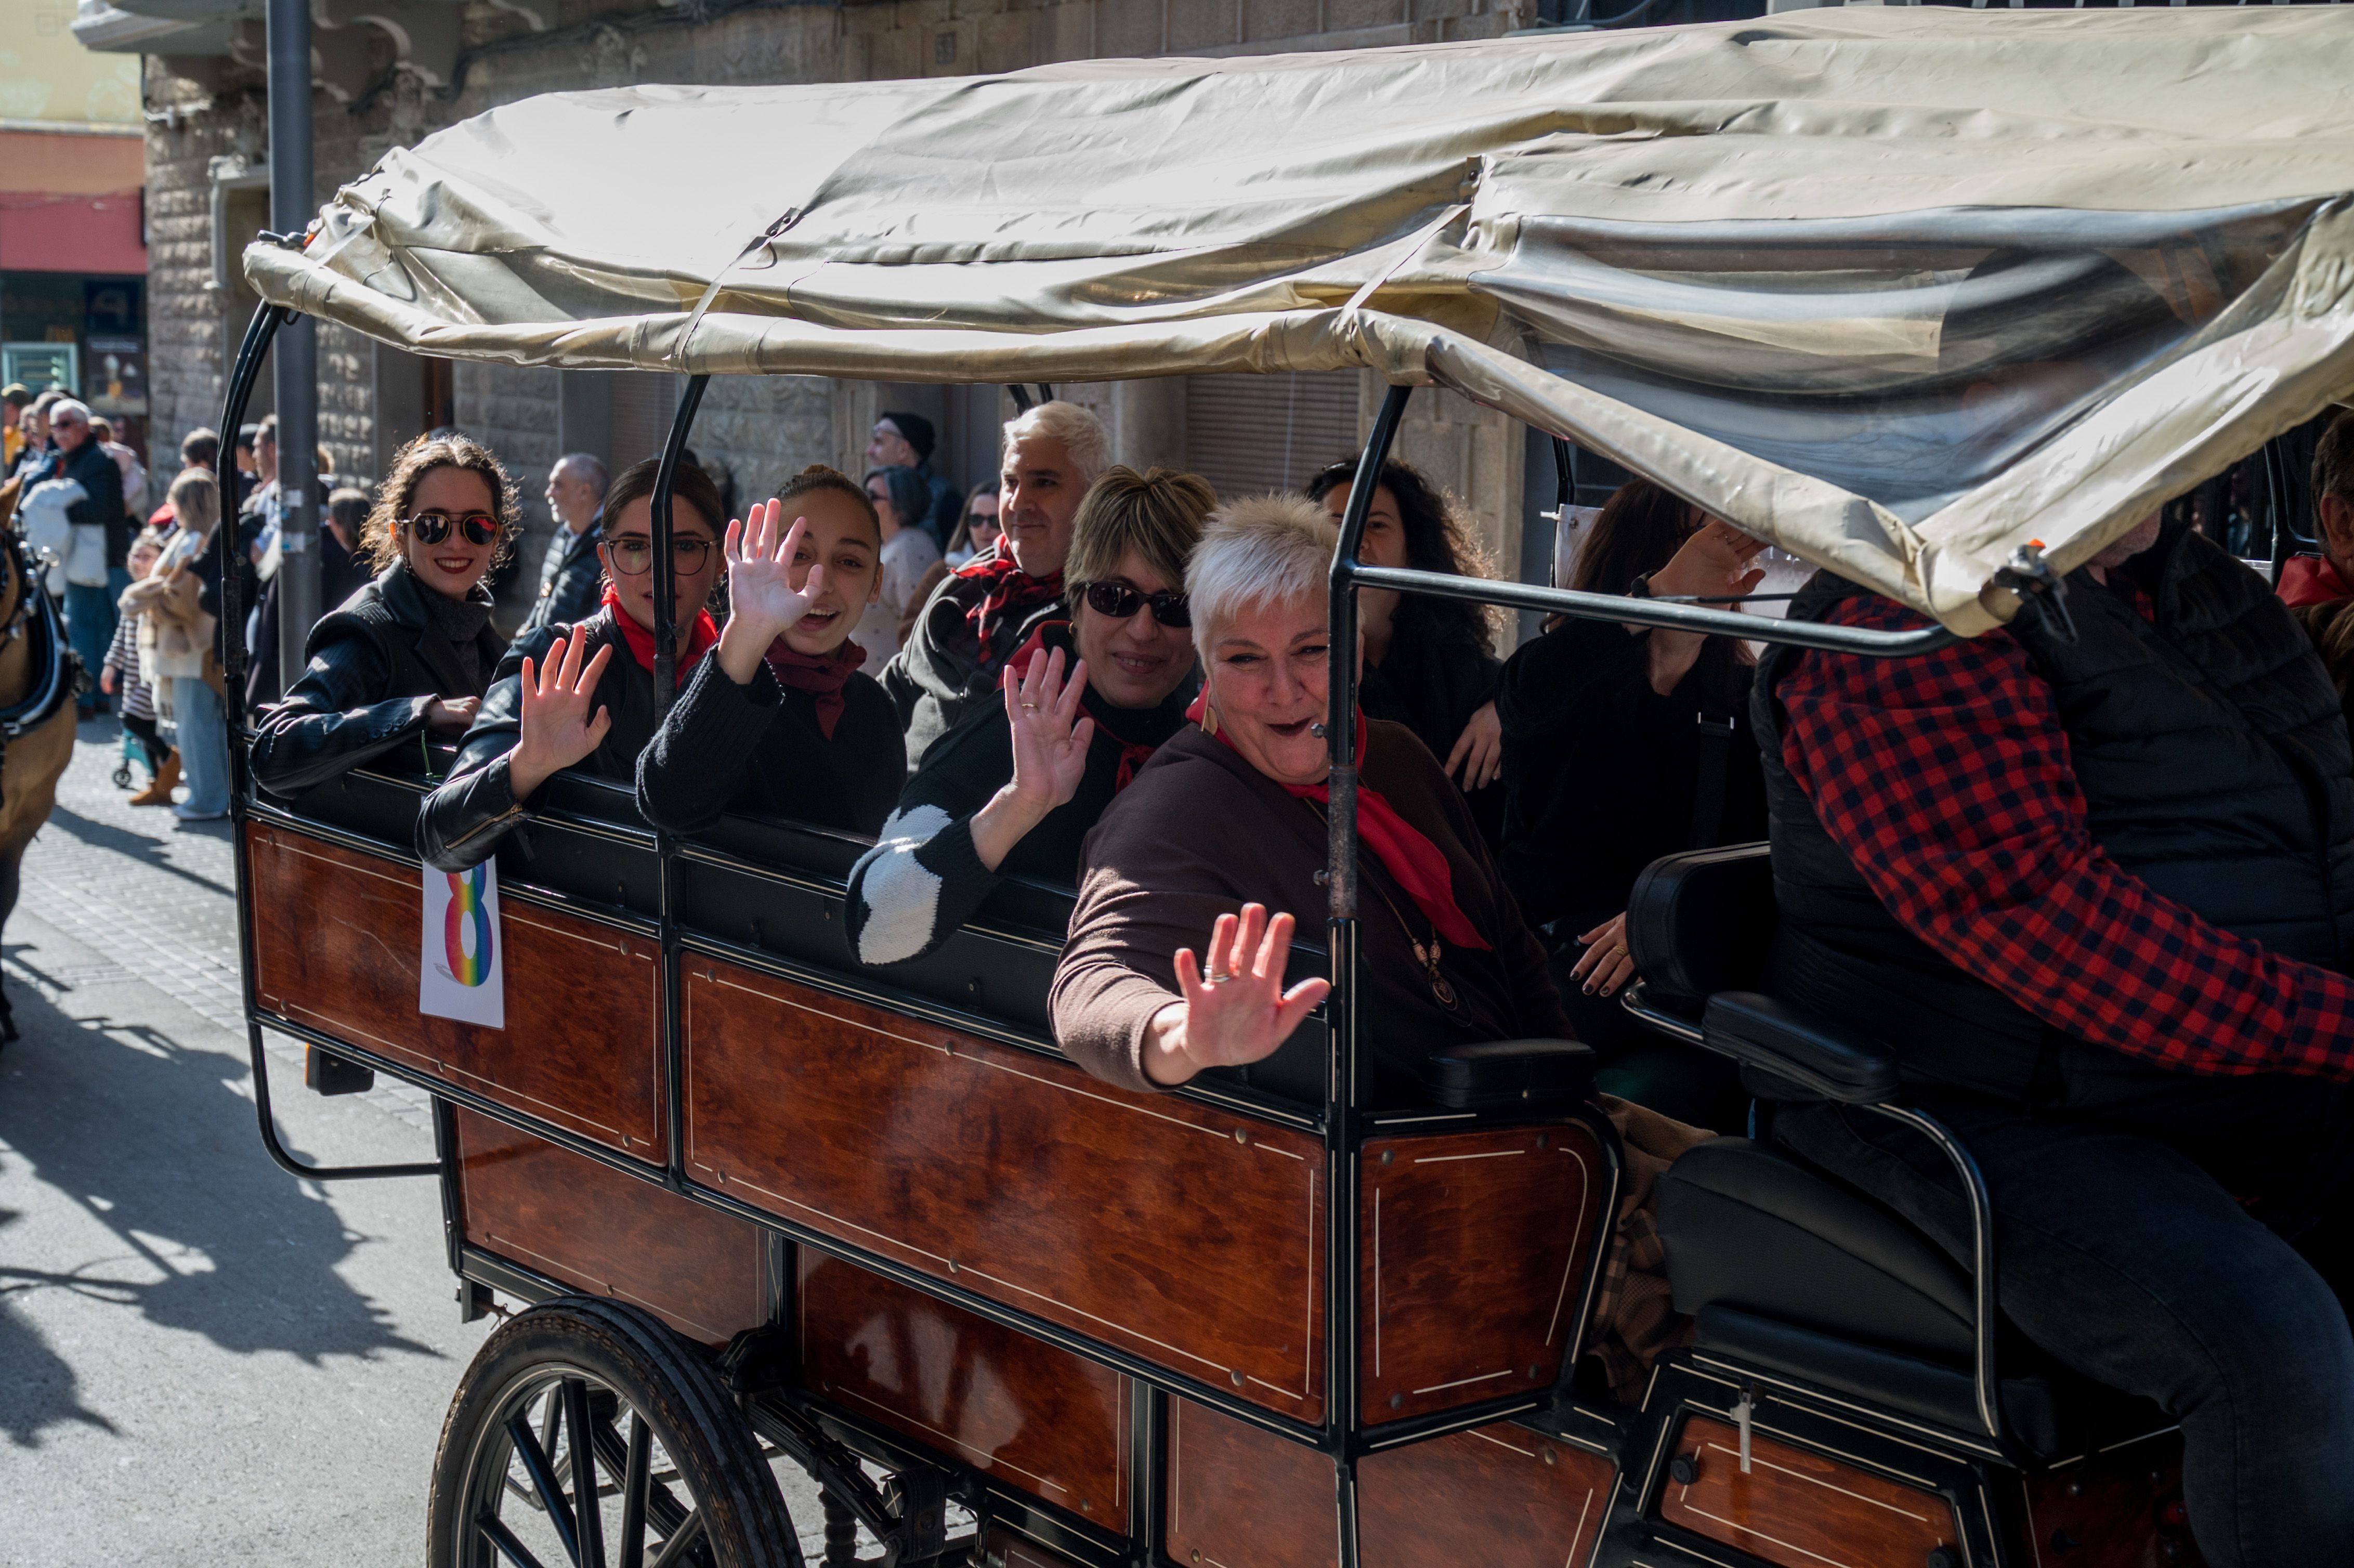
point(202, 1361)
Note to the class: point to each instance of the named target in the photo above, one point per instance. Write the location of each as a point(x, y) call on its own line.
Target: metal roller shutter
point(1250, 434)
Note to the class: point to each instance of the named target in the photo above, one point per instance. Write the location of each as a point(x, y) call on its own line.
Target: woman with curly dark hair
point(1430, 664)
point(1622, 745)
point(413, 650)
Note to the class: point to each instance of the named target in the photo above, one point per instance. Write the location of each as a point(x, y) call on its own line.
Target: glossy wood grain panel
point(1475, 1247)
point(1528, 1500)
point(336, 939)
point(1172, 1230)
point(604, 1233)
point(1241, 1498)
point(1038, 1419)
point(1801, 1509)
point(2119, 1509)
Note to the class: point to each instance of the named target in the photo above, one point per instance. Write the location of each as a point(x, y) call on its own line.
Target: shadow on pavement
point(144, 848)
point(155, 1141)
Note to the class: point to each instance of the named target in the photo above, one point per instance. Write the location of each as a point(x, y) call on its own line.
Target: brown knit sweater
point(1201, 833)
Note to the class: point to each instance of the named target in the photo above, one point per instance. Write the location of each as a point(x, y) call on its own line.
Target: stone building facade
point(383, 85)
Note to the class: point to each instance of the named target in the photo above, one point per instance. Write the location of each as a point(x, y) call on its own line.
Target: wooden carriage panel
point(1036, 1418)
point(1529, 1502)
point(334, 947)
point(1179, 1231)
point(1474, 1250)
point(1241, 1498)
point(2122, 1509)
point(1801, 1509)
point(1002, 1547)
point(603, 1233)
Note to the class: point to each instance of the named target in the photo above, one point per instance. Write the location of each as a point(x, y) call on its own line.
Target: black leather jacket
point(463, 819)
point(378, 664)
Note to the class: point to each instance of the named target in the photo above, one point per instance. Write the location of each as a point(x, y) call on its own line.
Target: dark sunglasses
point(1119, 601)
point(633, 554)
point(432, 527)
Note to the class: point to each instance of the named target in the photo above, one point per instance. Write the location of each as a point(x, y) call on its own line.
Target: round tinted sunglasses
point(1119, 601)
point(432, 527)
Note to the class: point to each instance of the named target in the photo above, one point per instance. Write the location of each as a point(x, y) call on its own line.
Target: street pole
point(298, 344)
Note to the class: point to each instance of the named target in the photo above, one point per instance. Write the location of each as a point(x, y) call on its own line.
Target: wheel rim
point(523, 1499)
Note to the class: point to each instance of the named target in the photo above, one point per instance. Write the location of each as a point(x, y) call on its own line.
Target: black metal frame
point(1343, 1123)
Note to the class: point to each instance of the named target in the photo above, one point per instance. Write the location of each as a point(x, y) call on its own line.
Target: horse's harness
point(35, 615)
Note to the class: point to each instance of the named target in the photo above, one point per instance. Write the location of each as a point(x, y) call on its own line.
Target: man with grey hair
point(97, 518)
point(988, 607)
point(569, 573)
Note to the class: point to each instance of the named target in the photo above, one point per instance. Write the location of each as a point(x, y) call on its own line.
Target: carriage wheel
point(669, 1475)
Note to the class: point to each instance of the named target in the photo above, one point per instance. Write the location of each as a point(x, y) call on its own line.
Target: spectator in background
point(102, 533)
point(134, 472)
point(125, 679)
point(17, 397)
point(908, 554)
point(341, 573)
point(179, 644)
point(981, 614)
point(200, 448)
point(906, 441)
point(1429, 663)
point(248, 462)
point(570, 575)
point(32, 435)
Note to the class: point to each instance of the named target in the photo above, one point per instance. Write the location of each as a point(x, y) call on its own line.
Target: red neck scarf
point(2311, 579)
point(822, 675)
point(1132, 755)
point(1009, 590)
point(641, 641)
point(1413, 863)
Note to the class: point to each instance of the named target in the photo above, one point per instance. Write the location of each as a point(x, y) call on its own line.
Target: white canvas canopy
point(1898, 288)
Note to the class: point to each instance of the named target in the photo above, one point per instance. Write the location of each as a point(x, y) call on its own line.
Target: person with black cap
point(906, 440)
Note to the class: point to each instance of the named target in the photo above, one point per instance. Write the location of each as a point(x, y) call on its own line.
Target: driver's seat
point(1789, 1270)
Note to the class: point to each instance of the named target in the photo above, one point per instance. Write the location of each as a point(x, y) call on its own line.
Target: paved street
point(202, 1359)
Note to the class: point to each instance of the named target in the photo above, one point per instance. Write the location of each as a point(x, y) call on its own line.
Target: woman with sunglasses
point(780, 721)
point(583, 694)
point(1013, 788)
point(413, 650)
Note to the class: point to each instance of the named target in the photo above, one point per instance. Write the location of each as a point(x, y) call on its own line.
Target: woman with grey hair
point(1227, 822)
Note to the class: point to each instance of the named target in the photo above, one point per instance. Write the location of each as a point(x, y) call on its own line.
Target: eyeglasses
point(432, 527)
point(633, 554)
point(1119, 601)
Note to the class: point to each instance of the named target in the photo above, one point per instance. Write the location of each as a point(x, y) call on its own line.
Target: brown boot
point(159, 789)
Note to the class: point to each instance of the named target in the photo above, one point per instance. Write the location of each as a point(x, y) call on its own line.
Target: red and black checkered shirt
point(1946, 780)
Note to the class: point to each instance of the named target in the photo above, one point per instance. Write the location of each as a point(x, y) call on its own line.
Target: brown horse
point(36, 712)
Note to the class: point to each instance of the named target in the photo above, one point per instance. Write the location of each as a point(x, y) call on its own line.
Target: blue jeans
point(2185, 1239)
point(203, 721)
point(89, 626)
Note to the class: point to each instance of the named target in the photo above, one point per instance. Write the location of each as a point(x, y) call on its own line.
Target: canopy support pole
point(1343, 1091)
point(292, 209)
point(665, 570)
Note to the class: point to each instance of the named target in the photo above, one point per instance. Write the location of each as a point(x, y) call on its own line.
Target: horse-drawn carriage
point(766, 1204)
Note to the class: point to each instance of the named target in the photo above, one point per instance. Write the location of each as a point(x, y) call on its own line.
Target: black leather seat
point(1786, 1269)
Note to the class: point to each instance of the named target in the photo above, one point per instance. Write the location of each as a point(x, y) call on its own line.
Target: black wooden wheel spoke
point(501, 1537)
point(582, 1443)
point(635, 1466)
point(682, 1539)
point(543, 1477)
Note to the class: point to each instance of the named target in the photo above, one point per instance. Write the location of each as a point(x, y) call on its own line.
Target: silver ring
point(1215, 979)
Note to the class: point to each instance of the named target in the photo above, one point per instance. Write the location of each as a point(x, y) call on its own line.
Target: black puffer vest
point(392, 614)
point(2214, 762)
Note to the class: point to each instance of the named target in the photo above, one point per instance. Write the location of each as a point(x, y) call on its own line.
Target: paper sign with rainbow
point(459, 973)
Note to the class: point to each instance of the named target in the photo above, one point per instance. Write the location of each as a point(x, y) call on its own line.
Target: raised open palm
point(1050, 736)
point(760, 572)
point(557, 724)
